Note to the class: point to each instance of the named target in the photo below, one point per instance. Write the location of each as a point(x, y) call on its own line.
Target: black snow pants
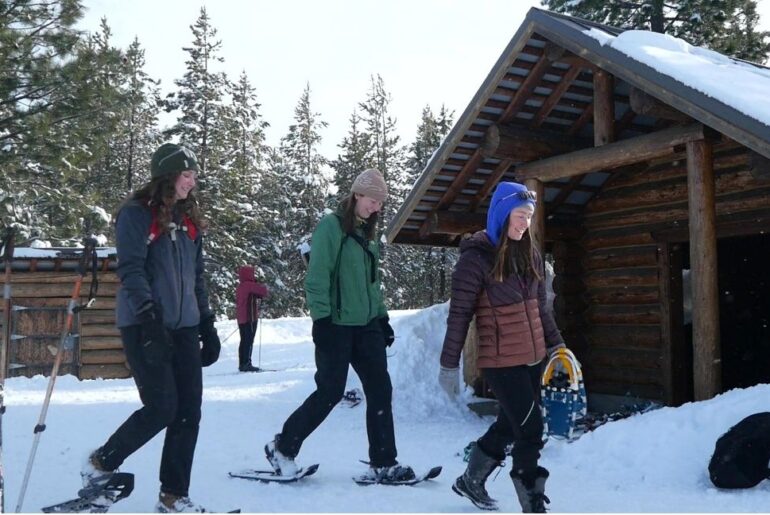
point(247, 332)
point(171, 398)
point(520, 421)
point(337, 347)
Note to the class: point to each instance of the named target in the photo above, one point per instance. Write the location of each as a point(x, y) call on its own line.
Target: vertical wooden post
point(537, 229)
point(675, 376)
point(707, 366)
point(604, 108)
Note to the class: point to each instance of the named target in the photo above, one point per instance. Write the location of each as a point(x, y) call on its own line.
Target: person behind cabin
point(500, 278)
point(350, 327)
point(248, 294)
point(164, 316)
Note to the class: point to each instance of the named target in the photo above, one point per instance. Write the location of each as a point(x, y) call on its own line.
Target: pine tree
point(37, 42)
point(726, 26)
point(357, 155)
point(237, 217)
point(202, 125)
point(307, 186)
point(426, 273)
point(138, 137)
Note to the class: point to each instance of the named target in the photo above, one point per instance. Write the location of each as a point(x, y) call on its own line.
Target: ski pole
point(259, 322)
point(89, 251)
point(6, 341)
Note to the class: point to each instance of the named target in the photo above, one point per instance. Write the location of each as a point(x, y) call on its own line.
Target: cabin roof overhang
point(535, 107)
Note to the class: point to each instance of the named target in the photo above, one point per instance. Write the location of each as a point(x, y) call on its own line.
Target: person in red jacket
point(248, 293)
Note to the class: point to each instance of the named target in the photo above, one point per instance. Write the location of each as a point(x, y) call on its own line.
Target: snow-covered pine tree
point(727, 26)
point(137, 136)
point(306, 184)
point(426, 274)
point(237, 216)
point(388, 157)
point(38, 44)
point(273, 200)
point(357, 154)
point(75, 157)
point(202, 126)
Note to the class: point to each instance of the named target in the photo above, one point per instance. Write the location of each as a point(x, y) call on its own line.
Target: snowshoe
point(270, 476)
point(563, 395)
point(352, 398)
point(397, 475)
point(99, 498)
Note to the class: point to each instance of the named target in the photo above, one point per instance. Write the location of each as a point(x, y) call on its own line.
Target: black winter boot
point(248, 367)
point(471, 483)
point(530, 488)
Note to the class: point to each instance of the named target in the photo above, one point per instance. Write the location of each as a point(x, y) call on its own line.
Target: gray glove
point(449, 379)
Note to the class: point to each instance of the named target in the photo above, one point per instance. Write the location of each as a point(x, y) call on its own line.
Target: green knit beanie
point(171, 158)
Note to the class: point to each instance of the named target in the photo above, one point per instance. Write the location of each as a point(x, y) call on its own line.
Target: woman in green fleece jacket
point(350, 327)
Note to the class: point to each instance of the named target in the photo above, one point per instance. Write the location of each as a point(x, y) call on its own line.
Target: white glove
point(449, 379)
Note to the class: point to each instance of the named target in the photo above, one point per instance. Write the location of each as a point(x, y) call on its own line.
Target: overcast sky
point(427, 51)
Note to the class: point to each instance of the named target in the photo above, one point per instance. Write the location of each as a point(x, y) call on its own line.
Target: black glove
point(209, 341)
point(156, 342)
point(387, 330)
point(322, 329)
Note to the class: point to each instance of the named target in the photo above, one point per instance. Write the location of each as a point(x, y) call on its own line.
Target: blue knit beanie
point(507, 197)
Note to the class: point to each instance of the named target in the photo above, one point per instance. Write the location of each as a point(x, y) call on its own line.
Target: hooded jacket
point(513, 322)
point(166, 272)
point(246, 294)
point(339, 277)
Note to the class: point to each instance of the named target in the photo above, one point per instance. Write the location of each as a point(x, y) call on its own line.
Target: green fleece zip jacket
point(341, 264)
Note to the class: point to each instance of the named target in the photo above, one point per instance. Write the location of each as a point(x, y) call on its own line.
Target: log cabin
point(654, 206)
point(42, 283)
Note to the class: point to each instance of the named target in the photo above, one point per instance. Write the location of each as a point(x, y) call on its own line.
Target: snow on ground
point(651, 462)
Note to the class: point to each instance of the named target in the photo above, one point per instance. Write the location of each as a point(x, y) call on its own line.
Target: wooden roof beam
point(555, 96)
point(525, 144)
point(528, 85)
point(611, 155)
point(455, 187)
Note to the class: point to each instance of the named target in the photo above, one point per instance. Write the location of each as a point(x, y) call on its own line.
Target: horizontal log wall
point(100, 352)
point(623, 318)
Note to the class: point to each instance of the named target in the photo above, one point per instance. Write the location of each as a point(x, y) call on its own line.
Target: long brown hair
point(515, 257)
point(349, 219)
point(159, 193)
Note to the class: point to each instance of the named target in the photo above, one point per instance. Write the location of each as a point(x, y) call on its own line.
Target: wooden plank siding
point(99, 352)
point(631, 347)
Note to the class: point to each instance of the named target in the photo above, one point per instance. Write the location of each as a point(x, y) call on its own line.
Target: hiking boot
point(282, 465)
point(170, 503)
point(471, 483)
point(93, 474)
point(530, 489)
point(248, 367)
point(393, 474)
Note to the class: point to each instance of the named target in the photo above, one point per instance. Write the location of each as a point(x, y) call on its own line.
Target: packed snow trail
point(651, 462)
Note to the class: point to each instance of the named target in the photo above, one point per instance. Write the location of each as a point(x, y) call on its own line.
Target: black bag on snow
point(742, 454)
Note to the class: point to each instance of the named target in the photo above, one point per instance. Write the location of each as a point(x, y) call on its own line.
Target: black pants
point(335, 349)
point(520, 421)
point(247, 332)
point(171, 399)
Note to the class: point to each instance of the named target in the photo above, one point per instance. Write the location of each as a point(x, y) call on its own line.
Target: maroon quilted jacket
point(513, 322)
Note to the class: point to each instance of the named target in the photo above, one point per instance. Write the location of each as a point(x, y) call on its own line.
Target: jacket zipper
point(178, 258)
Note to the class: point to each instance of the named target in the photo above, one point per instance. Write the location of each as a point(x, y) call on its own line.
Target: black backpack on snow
point(742, 454)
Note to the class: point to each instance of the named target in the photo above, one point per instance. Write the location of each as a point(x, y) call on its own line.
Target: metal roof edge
point(462, 124)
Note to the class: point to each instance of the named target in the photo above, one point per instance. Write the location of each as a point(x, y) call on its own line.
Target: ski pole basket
point(563, 395)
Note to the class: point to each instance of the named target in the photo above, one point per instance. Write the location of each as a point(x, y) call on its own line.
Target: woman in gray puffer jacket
point(500, 279)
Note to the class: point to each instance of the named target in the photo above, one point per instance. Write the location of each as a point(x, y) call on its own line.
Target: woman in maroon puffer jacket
point(500, 279)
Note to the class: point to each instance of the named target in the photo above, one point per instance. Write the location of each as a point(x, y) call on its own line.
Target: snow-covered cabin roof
point(30, 259)
point(542, 89)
